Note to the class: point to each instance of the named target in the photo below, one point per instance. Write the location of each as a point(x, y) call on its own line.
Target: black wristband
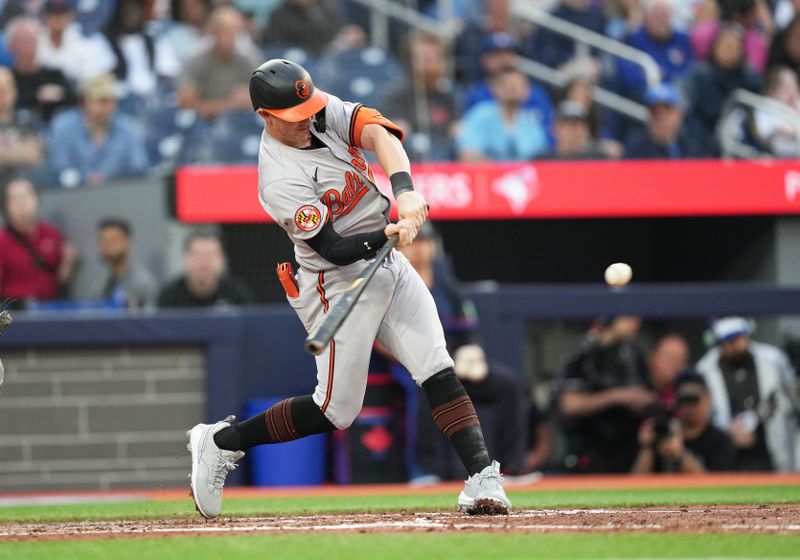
point(401, 182)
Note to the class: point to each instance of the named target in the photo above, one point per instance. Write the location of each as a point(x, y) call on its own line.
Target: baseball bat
point(319, 339)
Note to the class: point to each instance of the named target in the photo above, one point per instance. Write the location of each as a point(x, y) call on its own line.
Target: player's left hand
point(411, 205)
point(405, 229)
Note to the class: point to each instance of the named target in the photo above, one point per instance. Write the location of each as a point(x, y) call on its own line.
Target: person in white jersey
point(315, 182)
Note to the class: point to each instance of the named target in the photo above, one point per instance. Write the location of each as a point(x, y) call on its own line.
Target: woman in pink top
point(750, 14)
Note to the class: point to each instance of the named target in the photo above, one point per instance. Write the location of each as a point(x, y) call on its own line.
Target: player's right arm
point(364, 127)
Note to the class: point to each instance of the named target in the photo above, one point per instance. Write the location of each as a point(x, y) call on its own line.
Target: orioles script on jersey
point(340, 204)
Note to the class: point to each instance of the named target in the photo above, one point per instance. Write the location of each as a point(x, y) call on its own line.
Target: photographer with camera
point(687, 443)
point(751, 396)
point(605, 392)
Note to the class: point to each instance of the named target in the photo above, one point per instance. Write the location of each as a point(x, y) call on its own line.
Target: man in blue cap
point(751, 386)
point(665, 136)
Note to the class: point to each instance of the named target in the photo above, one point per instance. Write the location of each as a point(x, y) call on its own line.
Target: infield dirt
point(777, 519)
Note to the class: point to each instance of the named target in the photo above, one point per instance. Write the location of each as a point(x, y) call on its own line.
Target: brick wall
point(99, 417)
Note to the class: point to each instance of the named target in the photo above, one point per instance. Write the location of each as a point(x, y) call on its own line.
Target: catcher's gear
point(285, 90)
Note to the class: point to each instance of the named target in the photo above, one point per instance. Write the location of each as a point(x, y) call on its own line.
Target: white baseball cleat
point(210, 466)
point(483, 493)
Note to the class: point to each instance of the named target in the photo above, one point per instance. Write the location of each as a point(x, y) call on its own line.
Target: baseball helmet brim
point(304, 110)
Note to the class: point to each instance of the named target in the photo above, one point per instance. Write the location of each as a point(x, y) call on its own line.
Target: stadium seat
point(165, 130)
point(295, 54)
point(231, 138)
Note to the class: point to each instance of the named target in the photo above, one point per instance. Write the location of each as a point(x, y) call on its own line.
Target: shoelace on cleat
point(220, 472)
point(493, 480)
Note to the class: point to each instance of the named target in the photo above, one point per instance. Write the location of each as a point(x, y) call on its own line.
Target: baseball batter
point(315, 182)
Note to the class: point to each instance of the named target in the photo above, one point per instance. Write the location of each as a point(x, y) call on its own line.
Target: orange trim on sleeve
point(366, 115)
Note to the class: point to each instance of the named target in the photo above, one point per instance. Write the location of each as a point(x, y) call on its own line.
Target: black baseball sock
point(455, 415)
point(286, 421)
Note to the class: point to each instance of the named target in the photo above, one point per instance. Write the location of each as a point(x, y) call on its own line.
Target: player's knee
point(343, 419)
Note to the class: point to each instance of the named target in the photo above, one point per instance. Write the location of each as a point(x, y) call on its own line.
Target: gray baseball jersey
point(302, 190)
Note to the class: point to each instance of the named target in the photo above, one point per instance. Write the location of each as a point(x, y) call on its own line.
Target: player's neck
point(287, 140)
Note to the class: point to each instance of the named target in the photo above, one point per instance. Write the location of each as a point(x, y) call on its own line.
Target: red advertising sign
point(538, 190)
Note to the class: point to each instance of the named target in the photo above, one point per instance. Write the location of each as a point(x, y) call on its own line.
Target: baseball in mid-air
point(618, 274)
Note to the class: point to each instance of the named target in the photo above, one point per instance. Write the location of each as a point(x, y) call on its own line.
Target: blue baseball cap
point(500, 42)
point(662, 94)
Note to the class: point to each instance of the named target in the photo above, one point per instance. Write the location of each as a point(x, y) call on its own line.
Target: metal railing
point(381, 11)
point(586, 38)
point(604, 97)
point(732, 119)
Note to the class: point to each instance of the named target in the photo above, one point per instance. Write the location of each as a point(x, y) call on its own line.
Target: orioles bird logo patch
point(307, 218)
point(303, 88)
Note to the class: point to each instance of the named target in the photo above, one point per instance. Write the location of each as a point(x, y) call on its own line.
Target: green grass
point(521, 500)
point(474, 546)
point(410, 546)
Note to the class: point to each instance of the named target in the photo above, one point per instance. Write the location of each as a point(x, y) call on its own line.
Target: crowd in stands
point(168, 80)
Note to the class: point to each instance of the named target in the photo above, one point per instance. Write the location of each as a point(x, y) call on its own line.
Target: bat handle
point(314, 347)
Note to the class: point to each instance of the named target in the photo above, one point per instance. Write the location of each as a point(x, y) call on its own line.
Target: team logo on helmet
point(307, 218)
point(303, 88)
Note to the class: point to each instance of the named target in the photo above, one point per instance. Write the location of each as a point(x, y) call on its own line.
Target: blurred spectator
point(665, 136)
point(745, 13)
point(35, 262)
point(554, 49)
point(785, 11)
point(20, 142)
point(471, 42)
point(139, 59)
point(689, 443)
point(488, 385)
point(500, 52)
point(580, 89)
point(623, 17)
point(750, 384)
point(688, 13)
point(41, 90)
point(204, 282)
point(776, 129)
point(217, 79)
point(62, 45)
point(503, 129)
point(259, 11)
point(187, 27)
point(540, 440)
point(308, 24)
point(574, 135)
point(669, 357)
point(97, 142)
point(785, 49)
point(425, 106)
point(127, 283)
point(657, 37)
point(14, 9)
point(710, 83)
point(604, 397)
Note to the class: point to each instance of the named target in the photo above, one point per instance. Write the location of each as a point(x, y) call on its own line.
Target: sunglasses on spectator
point(688, 398)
